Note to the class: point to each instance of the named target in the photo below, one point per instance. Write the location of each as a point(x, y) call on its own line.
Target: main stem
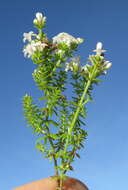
point(87, 85)
point(76, 114)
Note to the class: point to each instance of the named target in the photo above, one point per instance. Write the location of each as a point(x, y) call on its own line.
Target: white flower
point(40, 19)
point(28, 50)
point(36, 71)
point(66, 38)
point(75, 60)
point(99, 49)
point(28, 36)
point(68, 67)
point(99, 45)
point(80, 40)
point(73, 65)
point(85, 68)
point(32, 47)
point(59, 51)
point(40, 46)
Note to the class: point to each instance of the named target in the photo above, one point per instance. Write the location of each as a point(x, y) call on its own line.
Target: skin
point(51, 183)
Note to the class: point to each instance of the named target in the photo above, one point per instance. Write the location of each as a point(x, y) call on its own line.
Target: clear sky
point(104, 161)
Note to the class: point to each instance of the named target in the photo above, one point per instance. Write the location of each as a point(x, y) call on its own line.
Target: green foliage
point(60, 113)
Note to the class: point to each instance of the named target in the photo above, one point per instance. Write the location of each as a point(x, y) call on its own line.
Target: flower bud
point(35, 21)
point(80, 40)
point(108, 65)
point(44, 19)
point(99, 45)
point(75, 67)
point(39, 17)
point(40, 20)
point(99, 51)
point(84, 68)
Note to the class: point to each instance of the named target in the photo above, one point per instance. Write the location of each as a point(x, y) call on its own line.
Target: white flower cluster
point(73, 65)
point(40, 19)
point(104, 67)
point(67, 39)
point(32, 47)
point(34, 43)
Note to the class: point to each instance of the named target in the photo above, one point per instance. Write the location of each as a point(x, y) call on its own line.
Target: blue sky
point(104, 161)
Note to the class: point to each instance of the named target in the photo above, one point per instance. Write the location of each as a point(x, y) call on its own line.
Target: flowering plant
point(59, 121)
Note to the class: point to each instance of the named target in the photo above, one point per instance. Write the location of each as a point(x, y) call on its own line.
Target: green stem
point(52, 145)
point(76, 114)
point(87, 85)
